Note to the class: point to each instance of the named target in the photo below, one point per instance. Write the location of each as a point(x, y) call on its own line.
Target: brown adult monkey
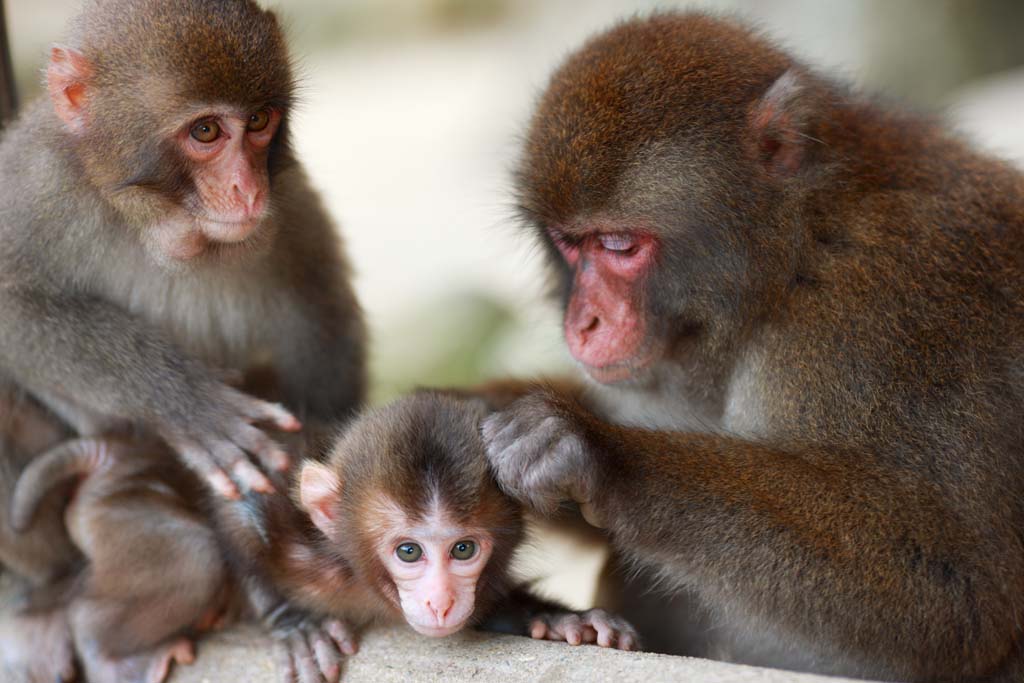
point(802, 312)
point(155, 224)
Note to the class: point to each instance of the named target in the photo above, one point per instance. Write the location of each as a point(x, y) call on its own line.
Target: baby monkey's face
point(435, 564)
point(407, 500)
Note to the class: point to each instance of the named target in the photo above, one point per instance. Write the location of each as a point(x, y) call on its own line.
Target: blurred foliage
point(448, 342)
point(448, 14)
point(922, 50)
point(326, 24)
point(991, 33)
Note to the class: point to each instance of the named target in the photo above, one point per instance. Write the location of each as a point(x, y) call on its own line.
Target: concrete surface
point(398, 655)
point(401, 656)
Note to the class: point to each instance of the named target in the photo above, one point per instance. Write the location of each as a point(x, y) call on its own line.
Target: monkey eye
point(206, 131)
point(617, 242)
point(258, 121)
point(409, 552)
point(463, 550)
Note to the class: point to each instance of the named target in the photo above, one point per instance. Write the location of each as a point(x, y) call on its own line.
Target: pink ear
point(319, 492)
point(778, 121)
point(67, 78)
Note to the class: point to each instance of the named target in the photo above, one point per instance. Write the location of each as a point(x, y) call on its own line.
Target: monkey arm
point(810, 540)
point(319, 353)
point(498, 394)
point(321, 360)
point(109, 365)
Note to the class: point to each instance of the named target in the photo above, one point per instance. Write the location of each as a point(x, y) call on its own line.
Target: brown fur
point(830, 452)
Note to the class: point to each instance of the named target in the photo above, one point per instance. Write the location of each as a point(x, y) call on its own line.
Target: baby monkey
point(409, 511)
point(407, 523)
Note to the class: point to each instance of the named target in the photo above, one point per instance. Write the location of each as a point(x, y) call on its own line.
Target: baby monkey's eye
point(258, 121)
point(463, 550)
point(409, 552)
point(206, 131)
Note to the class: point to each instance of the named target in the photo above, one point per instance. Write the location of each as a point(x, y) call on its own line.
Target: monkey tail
point(66, 461)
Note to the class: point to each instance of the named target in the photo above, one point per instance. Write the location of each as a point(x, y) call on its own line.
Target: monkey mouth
point(227, 231)
point(436, 631)
point(621, 372)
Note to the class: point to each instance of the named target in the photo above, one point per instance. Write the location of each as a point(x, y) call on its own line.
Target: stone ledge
point(400, 656)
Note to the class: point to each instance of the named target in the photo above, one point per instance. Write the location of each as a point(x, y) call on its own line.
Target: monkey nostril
point(440, 608)
point(590, 327)
point(250, 200)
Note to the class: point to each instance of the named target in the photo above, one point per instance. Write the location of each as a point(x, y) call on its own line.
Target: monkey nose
point(440, 605)
point(251, 199)
point(586, 327)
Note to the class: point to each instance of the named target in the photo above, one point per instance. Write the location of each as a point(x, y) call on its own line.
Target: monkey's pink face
point(433, 562)
point(435, 566)
point(605, 323)
point(228, 153)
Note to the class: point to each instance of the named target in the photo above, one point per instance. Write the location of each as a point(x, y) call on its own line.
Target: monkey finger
point(286, 662)
point(328, 659)
point(243, 472)
point(198, 458)
point(627, 642)
point(305, 669)
point(505, 434)
point(255, 441)
point(523, 446)
point(250, 477)
point(274, 414)
point(539, 629)
point(200, 461)
point(494, 424)
point(573, 634)
point(343, 636)
point(611, 631)
point(567, 627)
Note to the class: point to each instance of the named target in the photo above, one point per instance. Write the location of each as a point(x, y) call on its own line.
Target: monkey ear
point(319, 493)
point(779, 120)
point(67, 77)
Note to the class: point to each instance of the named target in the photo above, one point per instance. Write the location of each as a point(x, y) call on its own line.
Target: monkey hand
point(592, 626)
point(311, 650)
point(219, 440)
point(539, 454)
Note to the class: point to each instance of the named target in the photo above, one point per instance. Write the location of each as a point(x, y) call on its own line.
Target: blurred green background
point(412, 110)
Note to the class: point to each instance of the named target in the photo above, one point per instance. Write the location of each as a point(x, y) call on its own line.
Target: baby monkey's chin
point(437, 631)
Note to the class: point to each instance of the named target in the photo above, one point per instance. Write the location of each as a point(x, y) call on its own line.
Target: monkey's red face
point(228, 153)
point(605, 322)
point(203, 184)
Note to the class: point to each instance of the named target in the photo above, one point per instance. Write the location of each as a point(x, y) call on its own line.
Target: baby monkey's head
point(407, 500)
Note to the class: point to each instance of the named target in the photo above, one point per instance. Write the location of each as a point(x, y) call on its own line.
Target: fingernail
point(282, 461)
point(224, 486)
